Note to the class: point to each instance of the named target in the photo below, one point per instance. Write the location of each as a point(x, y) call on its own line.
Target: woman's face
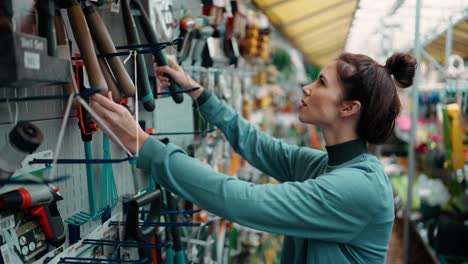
point(322, 99)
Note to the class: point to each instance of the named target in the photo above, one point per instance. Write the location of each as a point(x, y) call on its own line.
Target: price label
point(5, 251)
point(7, 223)
point(32, 60)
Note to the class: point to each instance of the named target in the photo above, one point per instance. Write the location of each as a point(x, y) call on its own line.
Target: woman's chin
point(306, 120)
point(301, 118)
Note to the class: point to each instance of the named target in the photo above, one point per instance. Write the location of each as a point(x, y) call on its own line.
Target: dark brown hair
point(370, 83)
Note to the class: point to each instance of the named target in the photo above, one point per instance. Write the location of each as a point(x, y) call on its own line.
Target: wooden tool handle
point(85, 44)
point(105, 44)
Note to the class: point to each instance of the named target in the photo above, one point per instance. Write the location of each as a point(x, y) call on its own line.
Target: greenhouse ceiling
point(318, 28)
point(322, 30)
point(459, 43)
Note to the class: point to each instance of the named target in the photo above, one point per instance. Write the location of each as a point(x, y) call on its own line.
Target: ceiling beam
point(323, 24)
point(325, 49)
point(270, 6)
point(327, 54)
point(316, 12)
point(335, 33)
point(324, 42)
point(460, 34)
point(455, 42)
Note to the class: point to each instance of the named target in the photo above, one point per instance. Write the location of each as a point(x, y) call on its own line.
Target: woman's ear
point(350, 107)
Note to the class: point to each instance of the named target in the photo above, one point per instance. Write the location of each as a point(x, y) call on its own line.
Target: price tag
point(115, 5)
point(32, 60)
point(5, 251)
point(7, 223)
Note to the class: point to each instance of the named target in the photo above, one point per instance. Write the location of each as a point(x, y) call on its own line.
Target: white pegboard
point(48, 115)
point(31, 110)
point(167, 117)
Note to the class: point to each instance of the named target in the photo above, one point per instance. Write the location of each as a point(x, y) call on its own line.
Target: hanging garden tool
point(187, 34)
point(175, 254)
point(105, 45)
point(202, 32)
point(144, 86)
point(231, 47)
point(108, 76)
point(85, 44)
point(212, 52)
point(148, 30)
point(87, 129)
point(108, 190)
point(108, 194)
point(133, 231)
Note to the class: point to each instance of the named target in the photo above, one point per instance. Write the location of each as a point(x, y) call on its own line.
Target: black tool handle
point(159, 55)
point(131, 226)
point(144, 87)
point(171, 205)
point(85, 121)
point(132, 230)
point(46, 24)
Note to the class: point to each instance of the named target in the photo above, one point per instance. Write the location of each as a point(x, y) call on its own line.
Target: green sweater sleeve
point(333, 207)
point(270, 155)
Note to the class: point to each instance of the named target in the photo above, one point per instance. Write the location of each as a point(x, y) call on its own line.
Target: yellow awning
point(318, 28)
point(459, 43)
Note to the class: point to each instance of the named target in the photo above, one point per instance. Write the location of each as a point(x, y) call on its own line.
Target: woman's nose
point(306, 90)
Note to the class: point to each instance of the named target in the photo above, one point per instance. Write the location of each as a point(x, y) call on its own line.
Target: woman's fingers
point(99, 100)
point(106, 109)
point(166, 84)
point(98, 108)
point(165, 70)
point(118, 120)
point(104, 116)
point(164, 73)
point(173, 64)
point(176, 73)
point(163, 79)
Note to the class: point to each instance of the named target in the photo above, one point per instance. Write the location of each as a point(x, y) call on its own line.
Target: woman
point(334, 206)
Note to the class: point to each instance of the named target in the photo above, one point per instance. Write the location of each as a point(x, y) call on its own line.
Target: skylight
point(382, 27)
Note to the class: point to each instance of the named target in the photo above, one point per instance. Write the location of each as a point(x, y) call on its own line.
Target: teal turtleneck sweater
point(333, 207)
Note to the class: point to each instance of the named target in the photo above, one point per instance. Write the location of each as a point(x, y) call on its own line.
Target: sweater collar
point(346, 151)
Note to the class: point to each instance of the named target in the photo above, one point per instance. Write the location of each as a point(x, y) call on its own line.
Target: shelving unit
point(420, 42)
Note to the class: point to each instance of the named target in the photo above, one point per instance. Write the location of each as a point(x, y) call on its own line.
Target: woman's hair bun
point(402, 66)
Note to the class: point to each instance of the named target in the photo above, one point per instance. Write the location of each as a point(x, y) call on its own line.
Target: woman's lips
point(303, 104)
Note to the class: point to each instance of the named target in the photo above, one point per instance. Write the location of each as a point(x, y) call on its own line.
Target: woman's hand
point(120, 121)
point(178, 75)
